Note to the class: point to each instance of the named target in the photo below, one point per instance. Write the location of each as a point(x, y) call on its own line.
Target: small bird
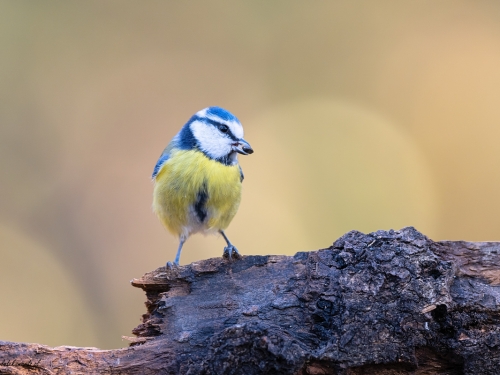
point(197, 179)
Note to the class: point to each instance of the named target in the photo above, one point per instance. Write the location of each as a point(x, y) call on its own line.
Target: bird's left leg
point(178, 256)
point(230, 251)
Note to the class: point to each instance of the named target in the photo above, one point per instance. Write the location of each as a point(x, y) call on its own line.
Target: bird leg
point(230, 251)
point(169, 264)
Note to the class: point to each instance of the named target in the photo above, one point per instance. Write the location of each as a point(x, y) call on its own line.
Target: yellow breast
point(177, 189)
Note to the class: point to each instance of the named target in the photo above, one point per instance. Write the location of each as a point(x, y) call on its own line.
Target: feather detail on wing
point(165, 155)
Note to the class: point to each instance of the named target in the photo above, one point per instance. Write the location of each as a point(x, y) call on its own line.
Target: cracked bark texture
point(389, 302)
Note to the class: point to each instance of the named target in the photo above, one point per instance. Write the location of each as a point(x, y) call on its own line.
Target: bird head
point(218, 134)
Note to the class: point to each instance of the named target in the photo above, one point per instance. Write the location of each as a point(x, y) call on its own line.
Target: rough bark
point(389, 302)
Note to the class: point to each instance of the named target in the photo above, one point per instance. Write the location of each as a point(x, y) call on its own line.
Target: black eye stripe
point(229, 133)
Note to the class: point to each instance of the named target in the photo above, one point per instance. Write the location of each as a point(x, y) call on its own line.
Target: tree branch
point(389, 302)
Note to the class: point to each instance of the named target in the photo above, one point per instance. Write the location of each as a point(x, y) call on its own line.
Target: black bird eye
point(223, 128)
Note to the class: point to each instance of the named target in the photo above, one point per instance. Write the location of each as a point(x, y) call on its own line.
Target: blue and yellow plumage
point(198, 178)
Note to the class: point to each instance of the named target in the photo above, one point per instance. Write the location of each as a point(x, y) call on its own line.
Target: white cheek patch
point(211, 140)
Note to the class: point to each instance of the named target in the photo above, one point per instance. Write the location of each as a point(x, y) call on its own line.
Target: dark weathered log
point(390, 302)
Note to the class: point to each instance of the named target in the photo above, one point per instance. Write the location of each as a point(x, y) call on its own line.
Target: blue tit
point(197, 179)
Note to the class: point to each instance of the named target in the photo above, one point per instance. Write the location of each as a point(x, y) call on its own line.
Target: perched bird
point(197, 179)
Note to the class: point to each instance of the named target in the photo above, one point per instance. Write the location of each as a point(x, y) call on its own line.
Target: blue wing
point(165, 155)
point(163, 158)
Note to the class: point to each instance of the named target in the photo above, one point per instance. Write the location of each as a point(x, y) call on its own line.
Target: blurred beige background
point(363, 115)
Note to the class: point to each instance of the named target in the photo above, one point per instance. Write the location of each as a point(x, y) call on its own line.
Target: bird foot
point(171, 266)
point(231, 252)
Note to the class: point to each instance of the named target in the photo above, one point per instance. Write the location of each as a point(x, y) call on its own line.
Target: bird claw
point(171, 266)
point(231, 252)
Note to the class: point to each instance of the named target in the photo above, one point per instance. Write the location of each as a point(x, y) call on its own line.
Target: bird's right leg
point(230, 251)
point(178, 256)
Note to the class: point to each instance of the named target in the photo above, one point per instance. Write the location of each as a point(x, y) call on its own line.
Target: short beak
point(242, 147)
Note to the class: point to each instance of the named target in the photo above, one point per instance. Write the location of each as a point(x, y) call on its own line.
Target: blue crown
point(222, 114)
